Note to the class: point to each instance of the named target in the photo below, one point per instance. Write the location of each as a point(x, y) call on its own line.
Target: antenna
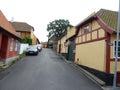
point(12, 19)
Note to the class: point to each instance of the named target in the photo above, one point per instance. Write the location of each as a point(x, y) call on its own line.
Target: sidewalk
point(95, 79)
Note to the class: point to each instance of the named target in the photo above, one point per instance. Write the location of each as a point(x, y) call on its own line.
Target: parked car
point(31, 50)
point(39, 46)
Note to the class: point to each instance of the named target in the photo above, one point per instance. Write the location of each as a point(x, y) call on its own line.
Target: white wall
point(23, 47)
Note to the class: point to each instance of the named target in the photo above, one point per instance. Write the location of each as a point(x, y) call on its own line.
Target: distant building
point(44, 44)
point(23, 29)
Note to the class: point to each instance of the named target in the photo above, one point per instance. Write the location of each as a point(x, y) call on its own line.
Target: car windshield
point(32, 47)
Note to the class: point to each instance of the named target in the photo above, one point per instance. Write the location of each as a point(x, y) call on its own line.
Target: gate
point(71, 52)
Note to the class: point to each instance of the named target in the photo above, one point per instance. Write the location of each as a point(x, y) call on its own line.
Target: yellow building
point(95, 43)
point(24, 29)
point(66, 44)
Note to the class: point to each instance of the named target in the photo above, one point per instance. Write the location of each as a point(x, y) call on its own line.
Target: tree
point(57, 27)
point(27, 39)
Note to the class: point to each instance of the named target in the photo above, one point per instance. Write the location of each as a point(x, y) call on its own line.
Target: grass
point(12, 62)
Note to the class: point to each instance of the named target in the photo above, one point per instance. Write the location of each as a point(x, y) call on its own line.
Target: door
point(4, 45)
point(71, 51)
point(59, 48)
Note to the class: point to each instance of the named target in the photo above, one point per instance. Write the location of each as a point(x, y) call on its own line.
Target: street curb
point(89, 75)
point(5, 71)
point(92, 77)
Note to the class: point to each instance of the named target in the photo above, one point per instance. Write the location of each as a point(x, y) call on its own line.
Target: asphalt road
point(47, 71)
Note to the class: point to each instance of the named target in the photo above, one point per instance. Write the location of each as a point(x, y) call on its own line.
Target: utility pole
point(116, 54)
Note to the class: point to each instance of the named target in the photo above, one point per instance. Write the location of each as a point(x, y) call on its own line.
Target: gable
point(106, 18)
point(5, 25)
point(95, 32)
point(71, 32)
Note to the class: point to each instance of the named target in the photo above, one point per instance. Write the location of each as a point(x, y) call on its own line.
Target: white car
point(32, 50)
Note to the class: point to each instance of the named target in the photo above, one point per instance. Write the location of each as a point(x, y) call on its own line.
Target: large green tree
point(57, 27)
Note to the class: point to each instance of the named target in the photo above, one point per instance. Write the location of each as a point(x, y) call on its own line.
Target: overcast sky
point(38, 13)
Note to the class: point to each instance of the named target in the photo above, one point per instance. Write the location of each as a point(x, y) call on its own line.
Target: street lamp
point(116, 54)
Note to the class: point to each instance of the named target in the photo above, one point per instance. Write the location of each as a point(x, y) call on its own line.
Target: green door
point(71, 53)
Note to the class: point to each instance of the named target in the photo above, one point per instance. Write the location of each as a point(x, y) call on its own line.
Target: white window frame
point(12, 44)
point(19, 33)
point(16, 45)
point(86, 29)
point(114, 48)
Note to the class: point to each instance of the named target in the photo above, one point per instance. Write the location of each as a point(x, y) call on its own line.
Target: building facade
point(24, 29)
point(95, 43)
point(8, 40)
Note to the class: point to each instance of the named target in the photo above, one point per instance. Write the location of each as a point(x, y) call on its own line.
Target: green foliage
point(26, 39)
point(58, 27)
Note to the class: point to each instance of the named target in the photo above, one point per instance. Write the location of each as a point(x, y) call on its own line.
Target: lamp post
point(116, 54)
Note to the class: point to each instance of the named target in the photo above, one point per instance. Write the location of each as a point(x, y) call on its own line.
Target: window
point(86, 29)
point(118, 48)
point(12, 45)
point(16, 46)
point(19, 33)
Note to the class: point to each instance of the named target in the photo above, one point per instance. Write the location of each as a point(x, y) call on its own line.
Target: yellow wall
point(58, 45)
point(34, 40)
point(111, 47)
point(95, 25)
point(70, 32)
point(92, 55)
point(112, 66)
point(23, 34)
point(63, 47)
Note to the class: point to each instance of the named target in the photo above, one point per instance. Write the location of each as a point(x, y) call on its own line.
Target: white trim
point(114, 48)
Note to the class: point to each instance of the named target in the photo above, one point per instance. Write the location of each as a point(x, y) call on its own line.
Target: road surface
point(47, 71)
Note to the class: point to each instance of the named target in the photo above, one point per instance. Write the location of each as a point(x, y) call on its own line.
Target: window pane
point(119, 43)
point(118, 48)
point(86, 29)
point(115, 43)
point(118, 54)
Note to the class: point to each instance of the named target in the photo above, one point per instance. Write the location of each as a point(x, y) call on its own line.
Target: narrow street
point(47, 71)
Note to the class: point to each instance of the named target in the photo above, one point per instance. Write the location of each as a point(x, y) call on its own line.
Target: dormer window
point(86, 29)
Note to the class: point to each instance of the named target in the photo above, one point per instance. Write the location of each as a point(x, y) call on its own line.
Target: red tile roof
point(4, 23)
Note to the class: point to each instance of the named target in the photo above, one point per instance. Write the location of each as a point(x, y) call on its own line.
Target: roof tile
point(109, 18)
point(6, 25)
point(22, 26)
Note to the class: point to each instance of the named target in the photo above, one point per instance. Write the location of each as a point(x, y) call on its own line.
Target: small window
point(19, 33)
point(12, 45)
point(118, 49)
point(86, 29)
point(16, 45)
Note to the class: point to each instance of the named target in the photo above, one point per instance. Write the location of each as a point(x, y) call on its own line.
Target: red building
point(8, 40)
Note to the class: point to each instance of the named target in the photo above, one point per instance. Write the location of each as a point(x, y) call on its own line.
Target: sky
point(38, 13)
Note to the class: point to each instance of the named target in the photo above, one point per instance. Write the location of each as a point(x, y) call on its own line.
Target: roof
point(6, 26)
point(108, 18)
point(22, 26)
